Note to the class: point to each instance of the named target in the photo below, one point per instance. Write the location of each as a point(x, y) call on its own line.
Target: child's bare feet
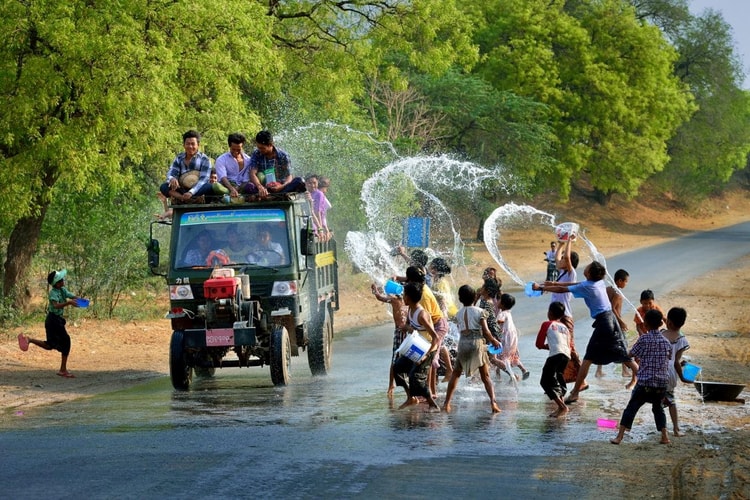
point(664, 436)
point(599, 371)
point(616, 440)
point(678, 433)
point(447, 407)
point(560, 412)
point(630, 385)
point(409, 402)
point(390, 391)
point(495, 408)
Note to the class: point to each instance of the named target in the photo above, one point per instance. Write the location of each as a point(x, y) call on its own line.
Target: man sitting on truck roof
point(275, 166)
point(187, 166)
point(233, 167)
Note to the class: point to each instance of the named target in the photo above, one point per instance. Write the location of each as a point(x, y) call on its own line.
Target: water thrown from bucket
point(417, 186)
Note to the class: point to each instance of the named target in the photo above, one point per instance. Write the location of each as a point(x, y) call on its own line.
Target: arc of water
point(597, 256)
point(492, 233)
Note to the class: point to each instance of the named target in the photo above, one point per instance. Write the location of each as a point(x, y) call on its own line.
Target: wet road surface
point(336, 436)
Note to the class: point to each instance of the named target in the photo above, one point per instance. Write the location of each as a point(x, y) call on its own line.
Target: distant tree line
point(601, 95)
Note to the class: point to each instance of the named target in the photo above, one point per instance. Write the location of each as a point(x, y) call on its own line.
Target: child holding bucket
point(655, 354)
point(472, 347)
point(54, 324)
point(398, 309)
point(675, 320)
point(413, 376)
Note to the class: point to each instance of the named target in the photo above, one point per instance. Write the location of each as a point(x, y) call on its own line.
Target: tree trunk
point(21, 249)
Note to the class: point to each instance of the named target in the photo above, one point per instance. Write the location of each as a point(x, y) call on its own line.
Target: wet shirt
point(594, 293)
point(430, 304)
point(555, 336)
point(654, 353)
point(58, 296)
point(279, 163)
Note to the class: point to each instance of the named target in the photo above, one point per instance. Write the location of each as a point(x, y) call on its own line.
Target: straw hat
point(189, 179)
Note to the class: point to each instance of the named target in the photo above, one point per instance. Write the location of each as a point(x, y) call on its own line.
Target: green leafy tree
point(92, 91)
point(606, 78)
point(715, 143)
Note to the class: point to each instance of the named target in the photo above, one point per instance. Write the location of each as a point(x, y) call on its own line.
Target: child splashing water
point(472, 347)
point(413, 377)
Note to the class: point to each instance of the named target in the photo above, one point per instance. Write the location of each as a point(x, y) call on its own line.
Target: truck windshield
point(229, 237)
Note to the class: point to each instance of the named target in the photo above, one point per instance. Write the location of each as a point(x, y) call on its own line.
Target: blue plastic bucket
point(393, 288)
point(530, 292)
point(82, 302)
point(690, 371)
point(494, 350)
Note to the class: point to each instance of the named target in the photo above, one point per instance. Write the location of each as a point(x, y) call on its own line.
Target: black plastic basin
point(718, 391)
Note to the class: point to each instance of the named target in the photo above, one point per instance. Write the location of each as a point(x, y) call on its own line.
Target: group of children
point(485, 320)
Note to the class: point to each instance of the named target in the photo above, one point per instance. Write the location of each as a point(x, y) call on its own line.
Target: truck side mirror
point(153, 253)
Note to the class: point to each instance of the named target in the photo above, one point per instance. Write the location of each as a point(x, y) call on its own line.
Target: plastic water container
point(566, 231)
point(494, 350)
point(393, 288)
point(530, 292)
point(82, 302)
point(414, 347)
point(690, 371)
point(607, 423)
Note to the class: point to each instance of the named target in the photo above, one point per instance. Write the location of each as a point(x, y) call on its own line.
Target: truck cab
point(249, 284)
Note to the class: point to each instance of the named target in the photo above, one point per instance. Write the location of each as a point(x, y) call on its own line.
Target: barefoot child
point(554, 336)
point(509, 356)
point(399, 333)
point(655, 354)
point(607, 343)
point(675, 320)
point(54, 324)
point(472, 347)
point(647, 303)
point(413, 377)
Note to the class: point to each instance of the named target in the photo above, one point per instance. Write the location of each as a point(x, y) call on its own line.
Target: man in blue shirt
point(275, 168)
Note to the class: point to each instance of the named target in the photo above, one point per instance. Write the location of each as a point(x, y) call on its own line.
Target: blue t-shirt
point(595, 295)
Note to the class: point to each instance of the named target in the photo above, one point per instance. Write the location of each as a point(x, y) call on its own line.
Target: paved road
point(236, 435)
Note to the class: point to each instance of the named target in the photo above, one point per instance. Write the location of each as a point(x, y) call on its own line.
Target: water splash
point(506, 216)
point(422, 186)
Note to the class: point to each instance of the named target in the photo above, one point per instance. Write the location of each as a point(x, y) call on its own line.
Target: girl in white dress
point(472, 347)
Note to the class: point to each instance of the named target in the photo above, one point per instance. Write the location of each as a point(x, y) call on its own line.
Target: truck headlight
point(284, 288)
point(180, 292)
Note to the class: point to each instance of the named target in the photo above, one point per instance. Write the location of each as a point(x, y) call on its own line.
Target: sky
point(737, 14)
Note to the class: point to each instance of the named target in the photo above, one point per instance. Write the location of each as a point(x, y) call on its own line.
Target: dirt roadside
point(110, 355)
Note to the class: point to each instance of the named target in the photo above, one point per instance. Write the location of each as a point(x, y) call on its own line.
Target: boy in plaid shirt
point(654, 354)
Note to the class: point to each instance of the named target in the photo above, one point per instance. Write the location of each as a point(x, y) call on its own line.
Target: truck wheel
point(281, 356)
point(321, 343)
point(179, 370)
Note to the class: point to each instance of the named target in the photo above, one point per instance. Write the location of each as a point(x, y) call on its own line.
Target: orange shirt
point(430, 304)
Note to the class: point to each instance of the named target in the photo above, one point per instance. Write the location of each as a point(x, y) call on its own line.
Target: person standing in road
point(655, 354)
point(607, 343)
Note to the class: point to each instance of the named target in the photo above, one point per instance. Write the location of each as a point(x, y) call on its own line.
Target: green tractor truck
point(250, 284)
